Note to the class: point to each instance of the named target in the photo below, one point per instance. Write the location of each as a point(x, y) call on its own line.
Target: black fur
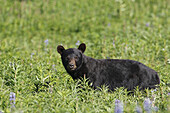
point(110, 72)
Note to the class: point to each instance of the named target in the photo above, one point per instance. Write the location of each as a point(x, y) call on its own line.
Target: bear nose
point(71, 65)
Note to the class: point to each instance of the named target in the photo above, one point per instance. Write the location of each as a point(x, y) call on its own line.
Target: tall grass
point(30, 67)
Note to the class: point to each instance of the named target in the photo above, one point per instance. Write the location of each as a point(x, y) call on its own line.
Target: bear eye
point(67, 58)
point(76, 57)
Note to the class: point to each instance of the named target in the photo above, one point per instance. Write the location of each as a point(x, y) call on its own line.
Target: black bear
point(109, 72)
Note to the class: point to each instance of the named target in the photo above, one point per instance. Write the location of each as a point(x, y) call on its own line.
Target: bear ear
point(60, 49)
point(82, 47)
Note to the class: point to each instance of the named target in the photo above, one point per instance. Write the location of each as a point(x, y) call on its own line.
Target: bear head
point(72, 58)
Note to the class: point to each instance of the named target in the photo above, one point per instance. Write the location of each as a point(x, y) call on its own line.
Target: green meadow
point(32, 77)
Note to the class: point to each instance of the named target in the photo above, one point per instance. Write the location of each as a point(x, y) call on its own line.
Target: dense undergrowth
point(32, 77)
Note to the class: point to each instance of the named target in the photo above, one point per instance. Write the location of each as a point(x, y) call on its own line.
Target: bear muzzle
point(72, 65)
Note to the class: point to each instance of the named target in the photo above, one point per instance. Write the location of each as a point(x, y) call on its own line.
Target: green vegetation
point(30, 66)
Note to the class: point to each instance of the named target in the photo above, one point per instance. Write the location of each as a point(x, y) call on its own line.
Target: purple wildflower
point(32, 55)
point(147, 24)
point(138, 109)
point(168, 93)
point(113, 43)
point(12, 96)
point(53, 67)
point(155, 108)
point(147, 105)
point(108, 57)
point(118, 106)
point(78, 43)
point(126, 45)
point(12, 99)
point(46, 42)
point(154, 90)
point(108, 24)
point(10, 63)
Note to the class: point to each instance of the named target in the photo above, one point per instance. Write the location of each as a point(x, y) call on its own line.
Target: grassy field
point(32, 77)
